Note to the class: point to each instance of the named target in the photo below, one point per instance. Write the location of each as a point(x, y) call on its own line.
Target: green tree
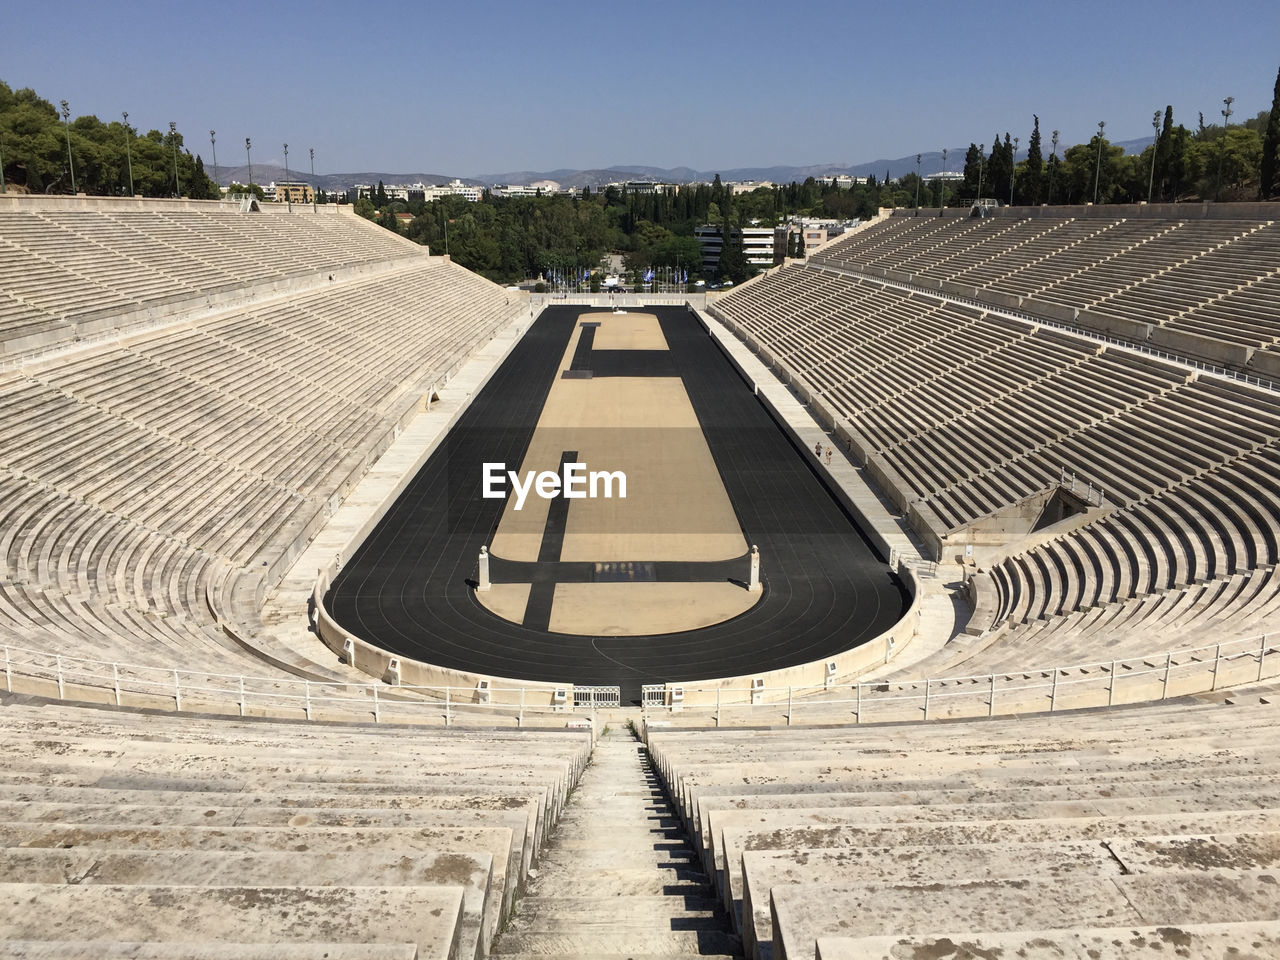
point(1179, 170)
point(1164, 147)
point(253, 188)
point(1030, 186)
point(733, 257)
point(1267, 180)
point(972, 171)
point(999, 170)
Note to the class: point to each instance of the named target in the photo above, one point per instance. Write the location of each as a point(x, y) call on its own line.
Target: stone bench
point(429, 917)
point(803, 912)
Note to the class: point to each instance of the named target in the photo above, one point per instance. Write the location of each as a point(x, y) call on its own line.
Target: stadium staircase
point(619, 879)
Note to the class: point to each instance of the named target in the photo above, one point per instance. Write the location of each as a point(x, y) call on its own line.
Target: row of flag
point(560, 276)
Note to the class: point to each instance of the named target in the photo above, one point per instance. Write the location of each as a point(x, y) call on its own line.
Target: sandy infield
point(675, 509)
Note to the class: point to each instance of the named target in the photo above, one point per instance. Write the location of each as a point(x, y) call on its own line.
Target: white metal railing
point(1122, 680)
point(80, 678)
point(620, 299)
point(1106, 682)
point(1083, 489)
point(597, 697)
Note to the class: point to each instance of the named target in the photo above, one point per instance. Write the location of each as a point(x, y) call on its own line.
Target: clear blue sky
point(490, 86)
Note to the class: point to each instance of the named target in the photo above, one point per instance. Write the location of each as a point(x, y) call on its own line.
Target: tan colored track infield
point(632, 609)
point(676, 507)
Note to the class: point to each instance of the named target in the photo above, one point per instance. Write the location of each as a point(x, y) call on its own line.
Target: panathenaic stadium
point(937, 618)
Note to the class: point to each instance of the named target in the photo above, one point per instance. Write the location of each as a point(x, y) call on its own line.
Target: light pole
point(66, 126)
point(288, 197)
point(1, 163)
point(1226, 117)
point(249, 162)
point(312, 152)
point(213, 142)
point(1155, 145)
point(173, 137)
point(128, 150)
point(942, 182)
point(1054, 155)
point(918, 156)
point(1097, 170)
point(1013, 169)
point(982, 150)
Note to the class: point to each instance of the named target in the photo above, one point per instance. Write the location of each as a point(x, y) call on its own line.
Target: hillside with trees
point(40, 153)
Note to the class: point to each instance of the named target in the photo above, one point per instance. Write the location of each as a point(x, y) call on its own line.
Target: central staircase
point(619, 878)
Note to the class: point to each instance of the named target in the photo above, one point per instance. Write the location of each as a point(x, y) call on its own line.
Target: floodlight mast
point(1013, 169)
point(1222, 152)
point(1054, 169)
point(128, 151)
point(173, 137)
point(66, 126)
point(1155, 146)
point(942, 182)
point(1097, 170)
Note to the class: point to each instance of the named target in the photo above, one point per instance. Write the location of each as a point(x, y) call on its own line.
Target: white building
point(514, 190)
point(815, 232)
point(747, 186)
point(454, 188)
point(757, 244)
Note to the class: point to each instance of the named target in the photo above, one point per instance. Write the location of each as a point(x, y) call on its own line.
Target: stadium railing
point(1156, 676)
point(114, 683)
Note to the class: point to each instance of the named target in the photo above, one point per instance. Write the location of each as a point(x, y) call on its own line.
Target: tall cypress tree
point(1164, 146)
point(1031, 183)
point(733, 256)
point(1270, 144)
point(999, 170)
point(972, 158)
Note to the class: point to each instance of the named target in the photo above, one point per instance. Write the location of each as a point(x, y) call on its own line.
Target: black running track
point(409, 588)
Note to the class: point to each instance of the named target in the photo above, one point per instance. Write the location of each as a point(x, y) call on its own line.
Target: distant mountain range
point(930, 163)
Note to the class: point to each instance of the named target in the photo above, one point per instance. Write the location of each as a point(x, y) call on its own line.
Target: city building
point(290, 191)
point(815, 232)
point(454, 188)
point(748, 186)
point(757, 244)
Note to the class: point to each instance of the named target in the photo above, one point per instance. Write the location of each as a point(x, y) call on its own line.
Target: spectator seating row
point(172, 836)
point(1213, 279)
point(961, 415)
point(140, 477)
point(62, 267)
point(1140, 830)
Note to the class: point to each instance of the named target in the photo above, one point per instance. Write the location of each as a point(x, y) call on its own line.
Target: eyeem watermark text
point(576, 483)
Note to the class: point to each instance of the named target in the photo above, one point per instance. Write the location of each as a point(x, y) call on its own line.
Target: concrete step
point(116, 950)
point(594, 955)
point(804, 912)
point(80, 865)
point(678, 882)
point(624, 944)
point(1210, 941)
point(426, 916)
point(626, 917)
point(747, 891)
